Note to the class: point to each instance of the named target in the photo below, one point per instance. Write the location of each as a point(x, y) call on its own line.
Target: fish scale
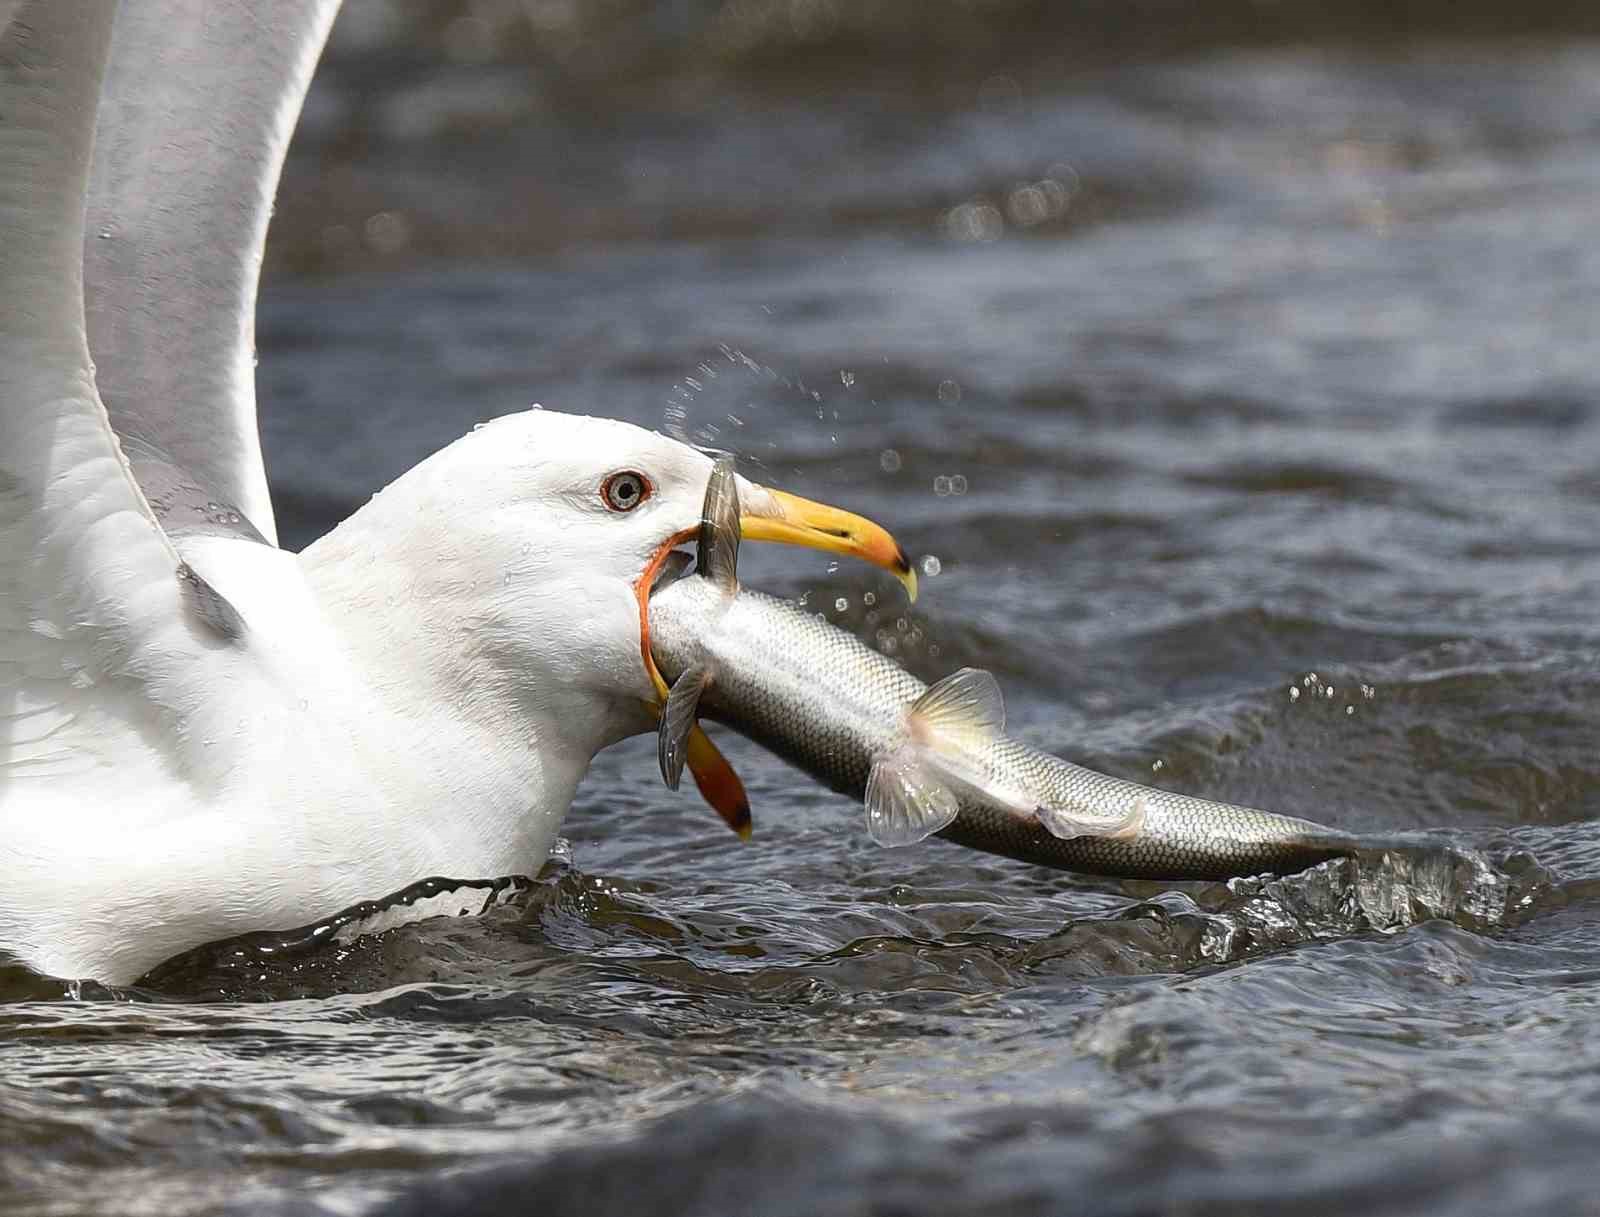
point(828, 704)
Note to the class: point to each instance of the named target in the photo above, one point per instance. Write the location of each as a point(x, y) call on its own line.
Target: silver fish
point(926, 760)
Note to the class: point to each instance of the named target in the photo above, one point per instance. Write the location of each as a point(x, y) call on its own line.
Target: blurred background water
point(1232, 369)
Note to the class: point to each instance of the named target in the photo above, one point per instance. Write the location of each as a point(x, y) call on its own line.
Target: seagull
point(202, 734)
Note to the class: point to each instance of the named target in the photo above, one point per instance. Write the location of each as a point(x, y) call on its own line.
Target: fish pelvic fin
point(906, 800)
point(717, 550)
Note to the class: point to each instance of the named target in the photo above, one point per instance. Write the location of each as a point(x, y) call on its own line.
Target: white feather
point(417, 694)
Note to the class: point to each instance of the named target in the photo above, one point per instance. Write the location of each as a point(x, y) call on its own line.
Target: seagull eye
point(626, 490)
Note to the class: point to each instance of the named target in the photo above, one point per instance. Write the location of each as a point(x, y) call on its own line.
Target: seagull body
point(203, 735)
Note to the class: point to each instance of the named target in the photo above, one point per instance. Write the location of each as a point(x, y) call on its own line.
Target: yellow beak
point(775, 515)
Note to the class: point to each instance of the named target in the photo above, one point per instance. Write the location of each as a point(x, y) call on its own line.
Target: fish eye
point(625, 490)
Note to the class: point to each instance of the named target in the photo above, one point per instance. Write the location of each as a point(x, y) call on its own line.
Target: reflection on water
point(1242, 405)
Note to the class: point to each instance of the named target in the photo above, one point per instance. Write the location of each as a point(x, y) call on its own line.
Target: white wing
point(90, 593)
point(199, 102)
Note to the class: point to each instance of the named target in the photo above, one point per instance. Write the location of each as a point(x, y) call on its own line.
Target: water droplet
point(941, 486)
point(387, 232)
point(869, 599)
point(1157, 765)
point(889, 461)
point(949, 392)
point(1349, 710)
point(841, 604)
point(833, 567)
point(1294, 693)
point(958, 484)
point(847, 379)
point(931, 566)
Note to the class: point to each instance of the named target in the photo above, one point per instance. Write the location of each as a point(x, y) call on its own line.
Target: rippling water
point(1250, 406)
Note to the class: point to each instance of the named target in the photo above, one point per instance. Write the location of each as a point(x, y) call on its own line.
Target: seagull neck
point(423, 636)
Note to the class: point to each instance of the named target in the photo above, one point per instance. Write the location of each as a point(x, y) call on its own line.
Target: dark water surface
point(1249, 403)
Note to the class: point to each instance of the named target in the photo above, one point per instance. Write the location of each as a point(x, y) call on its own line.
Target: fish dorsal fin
point(906, 800)
point(717, 552)
point(964, 709)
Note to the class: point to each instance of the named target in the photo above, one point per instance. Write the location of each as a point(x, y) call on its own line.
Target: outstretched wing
point(199, 102)
point(91, 594)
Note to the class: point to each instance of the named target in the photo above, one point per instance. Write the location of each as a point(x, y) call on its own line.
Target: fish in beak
point(787, 519)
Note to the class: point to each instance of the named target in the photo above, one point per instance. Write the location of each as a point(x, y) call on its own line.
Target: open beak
point(775, 515)
point(767, 515)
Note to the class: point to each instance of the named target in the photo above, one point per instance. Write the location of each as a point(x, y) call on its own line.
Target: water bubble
point(889, 461)
point(841, 604)
point(941, 486)
point(387, 232)
point(1027, 206)
point(931, 566)
point(949, 392)
point(958, 484)
point(975, 221)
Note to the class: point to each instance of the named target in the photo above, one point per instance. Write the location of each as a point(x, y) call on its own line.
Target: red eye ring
point(625, 490)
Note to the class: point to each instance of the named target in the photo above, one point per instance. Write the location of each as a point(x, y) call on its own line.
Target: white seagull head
point(523, 555)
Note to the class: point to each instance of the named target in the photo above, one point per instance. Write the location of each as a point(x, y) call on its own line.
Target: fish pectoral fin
point(718, 782)
point(678, 721)
point(1066, 825)
point(906, 801)
point(717, 550)
point(964, 711)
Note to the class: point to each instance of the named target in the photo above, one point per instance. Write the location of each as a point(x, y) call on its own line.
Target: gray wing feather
point(198, 105)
